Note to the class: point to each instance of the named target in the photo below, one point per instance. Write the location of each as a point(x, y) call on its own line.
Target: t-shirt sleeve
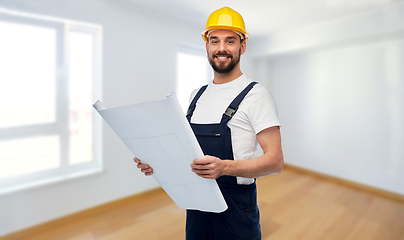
point(262, 112)
point(193, 94)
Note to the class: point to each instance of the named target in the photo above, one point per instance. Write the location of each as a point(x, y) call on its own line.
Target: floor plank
point(293, 205)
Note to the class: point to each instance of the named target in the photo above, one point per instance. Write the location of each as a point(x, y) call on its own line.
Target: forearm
point(267, 164)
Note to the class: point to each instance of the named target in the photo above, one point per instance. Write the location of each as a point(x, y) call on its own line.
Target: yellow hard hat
point(225, 18)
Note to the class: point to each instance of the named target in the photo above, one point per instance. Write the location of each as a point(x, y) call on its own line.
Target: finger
point(202, 171)
point(146, 170)
point(208, 176)
point(142, 165)
point(205, 161)
point(205, 166)
point(136, 160)
point(201, 168)
point(201, 161)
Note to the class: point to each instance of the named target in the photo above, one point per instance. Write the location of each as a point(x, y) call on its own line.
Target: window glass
point(28, 75)
point(40, 153)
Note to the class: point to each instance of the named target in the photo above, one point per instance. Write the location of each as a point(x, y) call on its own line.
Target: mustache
point(222, 54)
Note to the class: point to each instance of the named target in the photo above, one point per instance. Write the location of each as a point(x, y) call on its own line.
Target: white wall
point(342, 112)
point(139, 56)
point(339, 89)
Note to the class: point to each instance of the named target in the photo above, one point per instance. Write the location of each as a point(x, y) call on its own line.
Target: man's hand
point(209, 167)
point(144, 168)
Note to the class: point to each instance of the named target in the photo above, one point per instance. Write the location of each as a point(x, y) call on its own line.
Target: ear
point(207, 46)
point(243, 47)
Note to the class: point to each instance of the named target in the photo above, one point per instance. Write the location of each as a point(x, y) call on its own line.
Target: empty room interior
point(334, 69)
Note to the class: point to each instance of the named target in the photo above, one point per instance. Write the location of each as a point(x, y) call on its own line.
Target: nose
point(222, 46)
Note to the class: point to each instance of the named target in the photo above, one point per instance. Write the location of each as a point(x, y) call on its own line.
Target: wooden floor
point(293, 206)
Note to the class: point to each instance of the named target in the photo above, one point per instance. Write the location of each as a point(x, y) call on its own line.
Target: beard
point(222, 67)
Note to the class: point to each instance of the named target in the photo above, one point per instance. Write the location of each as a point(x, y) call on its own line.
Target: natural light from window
point(49, 79)
point(27, 97)
point(193, 71)
point(27, 86)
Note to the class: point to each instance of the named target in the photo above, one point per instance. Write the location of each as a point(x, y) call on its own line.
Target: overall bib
point(241, 220)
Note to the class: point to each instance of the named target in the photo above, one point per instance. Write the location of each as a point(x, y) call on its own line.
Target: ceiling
point(264, 17)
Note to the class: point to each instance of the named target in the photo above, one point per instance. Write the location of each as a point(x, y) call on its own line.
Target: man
point(229, 117)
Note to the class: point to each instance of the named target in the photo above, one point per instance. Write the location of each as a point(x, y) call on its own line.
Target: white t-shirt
point(256, 112)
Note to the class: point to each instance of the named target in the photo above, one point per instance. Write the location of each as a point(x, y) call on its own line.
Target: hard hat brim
point(224, 27)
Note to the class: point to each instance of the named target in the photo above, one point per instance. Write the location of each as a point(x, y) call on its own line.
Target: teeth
point(222, 58)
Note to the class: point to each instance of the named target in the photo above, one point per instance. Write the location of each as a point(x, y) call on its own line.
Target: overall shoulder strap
point(232, 108)
point(192, 105)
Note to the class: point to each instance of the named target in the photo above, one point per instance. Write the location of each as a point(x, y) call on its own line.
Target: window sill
point(51, 181)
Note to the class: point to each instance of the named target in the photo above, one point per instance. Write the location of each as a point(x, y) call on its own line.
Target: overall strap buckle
point(232, 108)
point(230, 112)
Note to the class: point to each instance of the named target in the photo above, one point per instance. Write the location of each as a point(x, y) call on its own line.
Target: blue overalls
point(241, 220)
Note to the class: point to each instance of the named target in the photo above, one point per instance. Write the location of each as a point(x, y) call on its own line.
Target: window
point(193, 71)
point(49, 79)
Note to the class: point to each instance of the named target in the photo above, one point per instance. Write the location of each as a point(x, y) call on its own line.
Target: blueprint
point(158, 134)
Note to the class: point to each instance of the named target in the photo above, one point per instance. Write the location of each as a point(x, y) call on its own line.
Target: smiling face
point(224, 49)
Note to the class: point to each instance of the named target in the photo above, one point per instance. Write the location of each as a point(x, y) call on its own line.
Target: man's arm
point(269, 163)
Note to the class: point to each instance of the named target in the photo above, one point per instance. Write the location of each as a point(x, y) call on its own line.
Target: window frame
point(60, 127)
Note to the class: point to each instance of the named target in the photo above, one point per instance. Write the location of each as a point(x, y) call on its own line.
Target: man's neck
point(220, 78)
